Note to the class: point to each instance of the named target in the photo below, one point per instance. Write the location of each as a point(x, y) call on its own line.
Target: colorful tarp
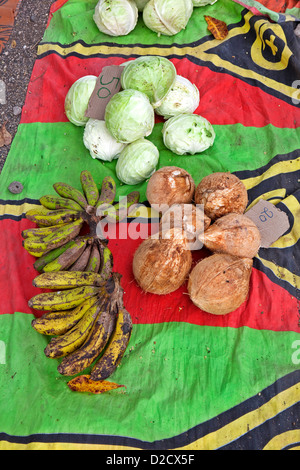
point(194, 381)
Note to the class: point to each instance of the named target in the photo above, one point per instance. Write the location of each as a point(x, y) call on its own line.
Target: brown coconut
point(170, 185)
point(219, 284)
point(234, 234)
point(162, 262)
point(221, 193)
point(190, 218)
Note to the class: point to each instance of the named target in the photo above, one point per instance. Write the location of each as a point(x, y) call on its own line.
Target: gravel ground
point(17, 60)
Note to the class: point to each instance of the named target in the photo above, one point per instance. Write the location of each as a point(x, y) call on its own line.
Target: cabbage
point(184, 97)
point(99, 141)
point(116, 17)
point(151, 75)
point(167, 17)
point(201, 3)
point(129, 116)
point(141, 4)
point(137, 162)
point(78, 98)
point(188, 134)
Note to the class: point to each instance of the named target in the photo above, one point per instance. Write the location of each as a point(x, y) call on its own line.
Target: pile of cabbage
point(150, 87)
point(167, 17)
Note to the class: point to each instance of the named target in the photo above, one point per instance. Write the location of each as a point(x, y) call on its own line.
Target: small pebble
point(15, 187)
point(17, 110)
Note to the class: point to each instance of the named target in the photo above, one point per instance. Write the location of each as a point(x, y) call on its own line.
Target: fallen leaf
point(217, 27)
point(83, 383)
point(13, 44)
point(5, 137)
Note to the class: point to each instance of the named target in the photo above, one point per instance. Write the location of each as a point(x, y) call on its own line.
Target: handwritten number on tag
point(265, 215)
point(104, 92)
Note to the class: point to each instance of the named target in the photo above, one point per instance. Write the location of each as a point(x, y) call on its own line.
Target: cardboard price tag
point(271, 221)
point(108, 84)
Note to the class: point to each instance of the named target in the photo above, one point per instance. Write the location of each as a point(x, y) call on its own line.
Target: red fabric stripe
point(224, 99)
point(269, 306)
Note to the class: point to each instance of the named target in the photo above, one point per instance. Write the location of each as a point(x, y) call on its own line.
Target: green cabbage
point(201, 3)
point(188, 134)
point(116, 17)
point(184, 97)
point(129, 116)
point(137, 162)
point(151, 75)
point(78, 98)
point(167, 17)
point(99, 141)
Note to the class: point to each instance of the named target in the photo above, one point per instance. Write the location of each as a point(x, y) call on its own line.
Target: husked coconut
point(221, 193)
point(219, 284)
point(170, 185)
point(234, 234)
point(161, 263)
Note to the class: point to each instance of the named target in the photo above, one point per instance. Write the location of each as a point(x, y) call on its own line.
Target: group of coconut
point(210, 215)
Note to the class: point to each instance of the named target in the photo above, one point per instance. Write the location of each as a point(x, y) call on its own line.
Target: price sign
point(271, 221)
point(107, 85)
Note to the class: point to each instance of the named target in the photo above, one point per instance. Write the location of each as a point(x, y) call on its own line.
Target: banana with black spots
point(58, 217)
point(66, 259)
point(116, 347)
point(83, 259)
point(67, 280)
point(55, 202)
point(67, 191)
point(66, 299)
point(94, 262)
point(108, 192)
point(48, 257)
point(89, 187)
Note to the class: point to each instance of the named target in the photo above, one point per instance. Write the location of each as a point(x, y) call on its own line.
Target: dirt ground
point(17, 60)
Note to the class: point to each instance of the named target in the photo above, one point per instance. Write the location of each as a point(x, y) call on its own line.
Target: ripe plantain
point(48, 257)
point(107, 262)
point(54, 202)
point(67, 280)
point(66, 299)
point(89, 187)
point(66, 259)
point(108, 192)
point(67, 191)
point(42, 232)
point(65, 344)
point(116, 347)
point(58, 323)
point(94, 262)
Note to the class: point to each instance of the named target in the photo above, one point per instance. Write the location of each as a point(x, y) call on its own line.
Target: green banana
point(61, 216)
point(116, 347)
point(67, 280)
point(82, 261)
point(94, 262)
point(120, 210)
point(62, 300)
point(67, 191)
point(92, 347)
point(54, 202)
point(66, 259)
point(108, 192)
point(70, 341)
point(58, 323)
point(42, 232)
point(89, 187)
point(48, 257)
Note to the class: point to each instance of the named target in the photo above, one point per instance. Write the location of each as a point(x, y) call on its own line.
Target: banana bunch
point(56, 241)
point(86, 318)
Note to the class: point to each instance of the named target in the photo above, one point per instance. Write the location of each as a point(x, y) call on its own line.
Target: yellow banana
point(92, 347)
point(56, 202)
point(42, 232)
point(58, 323)
point(116, 347)
point(61, 216)
point(67, 280)
point(61, 346)
point(89, 187)
point(62, 300)
point(107, 263)
point(67, 191)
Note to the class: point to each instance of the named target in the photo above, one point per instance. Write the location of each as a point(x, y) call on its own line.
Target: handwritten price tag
point(107, 85)
point(271, 222)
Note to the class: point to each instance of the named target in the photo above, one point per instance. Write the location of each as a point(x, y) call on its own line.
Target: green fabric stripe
point(58, 154)
point(74, 21)
point(176, 375)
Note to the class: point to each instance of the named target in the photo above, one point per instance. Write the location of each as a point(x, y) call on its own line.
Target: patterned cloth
point(8, 11)
point(193, 380)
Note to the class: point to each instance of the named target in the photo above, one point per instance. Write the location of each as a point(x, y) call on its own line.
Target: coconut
point(219, 284)
point(235, 234)
point(221, 193)
point(162, 262)
point(169, 185)
point(190, 218)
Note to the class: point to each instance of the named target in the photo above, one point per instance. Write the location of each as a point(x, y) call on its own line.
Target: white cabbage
point(137, 162)
point(99, 141)
point(116, 17)
point(184, 97)
point(167, 17)
point(77, 99)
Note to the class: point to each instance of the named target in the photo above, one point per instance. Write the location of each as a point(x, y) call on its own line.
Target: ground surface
point(17, 60)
